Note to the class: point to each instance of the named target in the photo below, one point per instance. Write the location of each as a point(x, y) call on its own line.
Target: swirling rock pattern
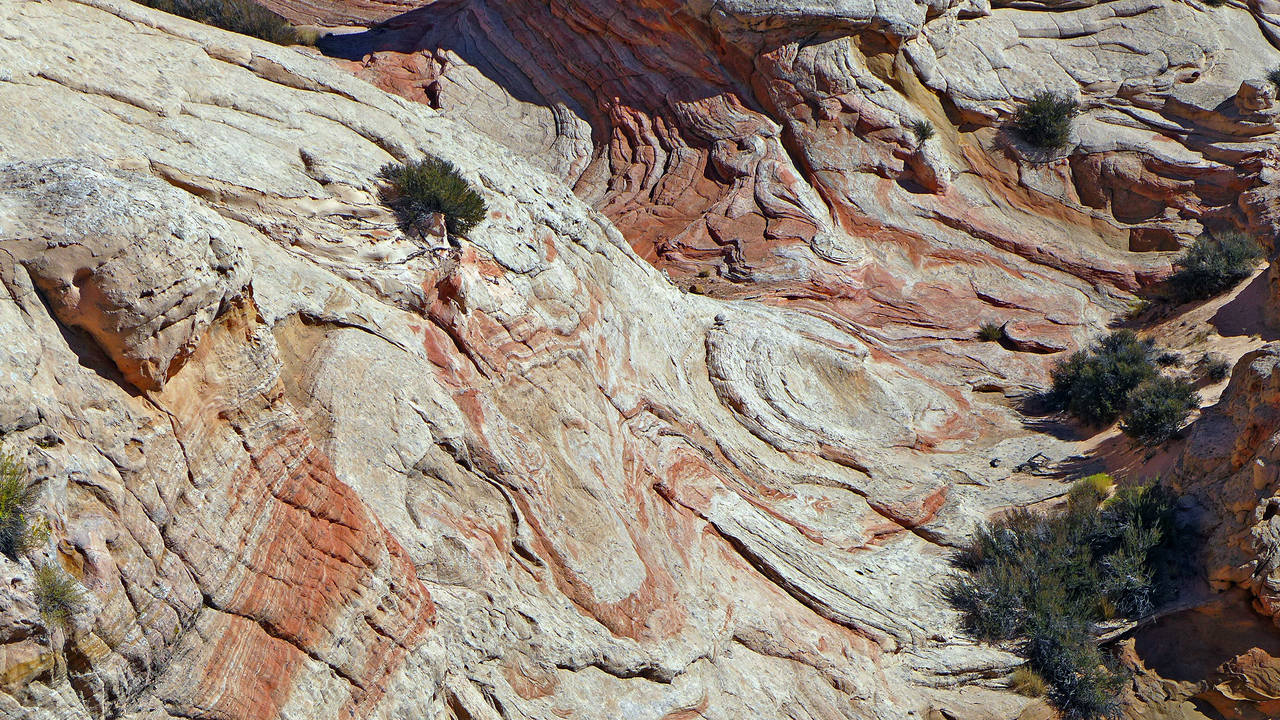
point(306, 466)
point(764, 151)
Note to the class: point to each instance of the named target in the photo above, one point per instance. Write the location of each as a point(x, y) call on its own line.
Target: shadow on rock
point(1243, 315)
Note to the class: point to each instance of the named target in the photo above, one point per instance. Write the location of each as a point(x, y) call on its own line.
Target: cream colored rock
point(372, 421)
point(142, 267)
point(528, 476)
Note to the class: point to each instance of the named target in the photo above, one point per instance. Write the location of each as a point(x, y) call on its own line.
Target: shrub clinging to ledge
point(1213, 265)
point(1044, 121)
point(420, 188)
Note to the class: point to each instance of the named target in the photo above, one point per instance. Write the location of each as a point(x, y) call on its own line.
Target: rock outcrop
point(766, 152)
point(142, 268)
point(306, 466)
point(1228, 468)
point(327, 471)
point(1247, 686)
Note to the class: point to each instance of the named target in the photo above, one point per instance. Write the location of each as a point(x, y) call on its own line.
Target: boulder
point(140, 266)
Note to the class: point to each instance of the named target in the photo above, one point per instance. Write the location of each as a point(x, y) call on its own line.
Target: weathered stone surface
point(1246, 687)
point(762, 152)
point(1227, 468)
point(354, 474)
point(141, 266)
point(774, 160)
point(1203, 662)
point(606, 516)
point(230, 571)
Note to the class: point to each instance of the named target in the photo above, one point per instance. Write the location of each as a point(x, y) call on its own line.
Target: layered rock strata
point(307, 466)
point(765, 152)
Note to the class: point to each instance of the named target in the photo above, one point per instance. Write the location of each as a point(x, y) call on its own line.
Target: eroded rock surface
point(307, 466)
point(141, 266)
point(384, 478)
point(764, 151)
point(1228, 469)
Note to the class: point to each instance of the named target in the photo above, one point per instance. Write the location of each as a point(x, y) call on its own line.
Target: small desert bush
point(1094, 385)
point(431, 185)
point(1213, 265)
point(1099, 484)
point(1045, 120)
point(16, 500)
point(922, 129)
point(1274, 77)
point(241, 16)
point(57, 595)
point(1157, 409)
point(1083, 683)
point(1137, 307)
point(1041, 580)
point(1216, 368)
point(1028, 682)
point(990, 332)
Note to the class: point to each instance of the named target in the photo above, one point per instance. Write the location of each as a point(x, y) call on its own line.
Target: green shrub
point(922, 129)
point(1212, 265)
point(1274, 77)
point(16, 499)
point(1093, 385)
point(241, 16)
point(1157, 409)
point(432, 185)
point(1083, 685)
point(991, 332)
point(1043, 579)
point(1216, 367)
point(1099, 484)
point(1028, 682)
point(1136, 307)
point(1045, 120)
point(57, 595)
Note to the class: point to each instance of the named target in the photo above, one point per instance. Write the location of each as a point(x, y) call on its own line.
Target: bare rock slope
point(306, 466)
point(765, 150)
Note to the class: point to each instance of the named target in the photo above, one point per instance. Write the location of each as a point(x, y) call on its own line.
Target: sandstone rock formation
point(1203, 663)
point(1227, 468)
point(598, 503)
point(306, 466)
point(760, 145)
point(1248, 686)
point(158, 269)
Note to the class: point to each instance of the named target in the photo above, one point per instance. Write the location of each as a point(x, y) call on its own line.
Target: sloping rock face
point(158, 269)
point(308, 467)
point(232, 573)
point(764, 151)
point(1228, 468)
